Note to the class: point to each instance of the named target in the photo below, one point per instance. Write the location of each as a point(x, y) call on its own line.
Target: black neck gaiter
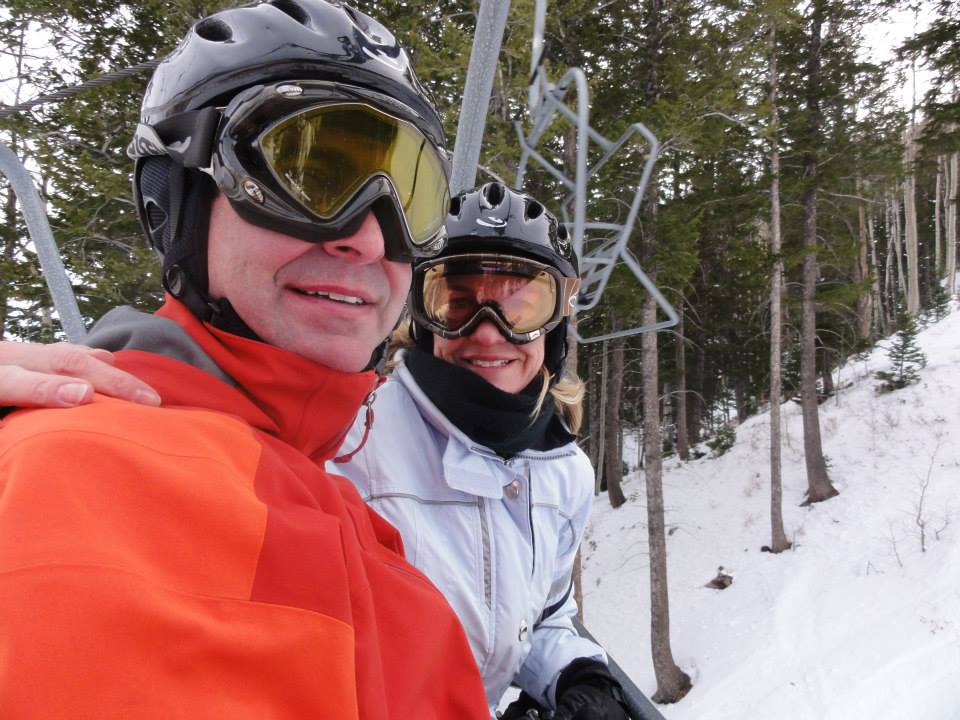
point(499, 420)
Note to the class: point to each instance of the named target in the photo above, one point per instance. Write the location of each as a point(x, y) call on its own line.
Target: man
point(195, 560)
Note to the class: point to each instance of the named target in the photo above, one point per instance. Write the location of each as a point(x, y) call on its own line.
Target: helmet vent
point(493, 194)
point(534, 210)
point(293, 9)
point(214, 30)
point(358, 20)
point(455, 205)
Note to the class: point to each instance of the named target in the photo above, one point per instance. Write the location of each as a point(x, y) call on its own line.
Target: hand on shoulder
point(64, 375)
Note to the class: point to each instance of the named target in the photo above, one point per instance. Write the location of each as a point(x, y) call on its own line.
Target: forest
point(798, 212)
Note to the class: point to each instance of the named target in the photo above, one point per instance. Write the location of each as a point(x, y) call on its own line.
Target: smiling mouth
point(488, 363)
point(335, 297)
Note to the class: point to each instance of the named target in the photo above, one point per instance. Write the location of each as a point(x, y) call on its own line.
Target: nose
point(487, 334)
point(363, 247)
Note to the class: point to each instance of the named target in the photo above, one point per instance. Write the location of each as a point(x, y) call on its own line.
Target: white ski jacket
point(497, 537)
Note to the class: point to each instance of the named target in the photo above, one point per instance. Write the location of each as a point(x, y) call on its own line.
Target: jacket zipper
point(485, 539)
point(484, 452)
point(533, 535)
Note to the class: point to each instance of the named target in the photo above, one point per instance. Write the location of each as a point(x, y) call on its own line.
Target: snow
point(856, 621)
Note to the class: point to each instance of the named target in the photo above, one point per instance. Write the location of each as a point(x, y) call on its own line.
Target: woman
point(472, 461)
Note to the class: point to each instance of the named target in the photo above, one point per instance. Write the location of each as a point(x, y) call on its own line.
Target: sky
point(885, 35)
point(860, 620)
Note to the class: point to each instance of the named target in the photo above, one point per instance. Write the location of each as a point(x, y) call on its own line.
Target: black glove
point(587, 691)
point(518, 709)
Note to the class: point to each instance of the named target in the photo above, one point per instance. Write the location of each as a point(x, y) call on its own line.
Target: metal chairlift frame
point(38, 226)
point(546, 102)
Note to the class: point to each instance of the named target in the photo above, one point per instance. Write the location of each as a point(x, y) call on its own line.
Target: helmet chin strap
point(218, 312)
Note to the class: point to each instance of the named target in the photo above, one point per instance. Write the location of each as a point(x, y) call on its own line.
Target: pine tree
point(939, 302)
point(906, 356)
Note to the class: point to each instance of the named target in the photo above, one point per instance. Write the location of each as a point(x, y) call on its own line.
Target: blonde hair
point(567, 393)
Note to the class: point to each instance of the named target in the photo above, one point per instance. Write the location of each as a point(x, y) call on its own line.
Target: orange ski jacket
point(196, 561)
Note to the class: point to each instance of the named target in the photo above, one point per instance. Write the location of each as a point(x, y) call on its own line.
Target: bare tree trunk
point(889, 285)
point(680, 399)
point(938, 217)
point(667, 419)
point(826, 377)
point(602, 414)
point(819, 486)
point(898, 248)
point(740, 400)
point(696, 402)
point(778, 538)
point(877, 304)
point(613, 463)
point(951, 229)
point(860, 271)
point(594, 390)
point(910, 221)
point(672, 682)
point(9, 240)
point(888, 255)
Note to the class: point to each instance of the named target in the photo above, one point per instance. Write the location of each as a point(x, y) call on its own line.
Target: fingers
point(64, 375)
point(26, 388)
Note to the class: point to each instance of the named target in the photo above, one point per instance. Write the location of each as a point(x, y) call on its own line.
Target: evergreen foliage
point(904, 353)
point(710, 112)
point(938, 47)
point(725, 439)
point(939, 302)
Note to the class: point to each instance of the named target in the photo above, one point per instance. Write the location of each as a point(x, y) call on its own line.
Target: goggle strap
point(187, 137)
point(571, 286)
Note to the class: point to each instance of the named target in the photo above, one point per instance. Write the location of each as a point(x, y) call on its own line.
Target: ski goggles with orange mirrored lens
point(524, 298)
point(310, 159)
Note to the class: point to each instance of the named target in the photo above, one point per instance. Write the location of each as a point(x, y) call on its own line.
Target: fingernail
point(73, 393)
point(145, 397)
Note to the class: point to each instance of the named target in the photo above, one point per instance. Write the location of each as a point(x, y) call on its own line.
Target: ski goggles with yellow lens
point(311, 158)
point(452, 295)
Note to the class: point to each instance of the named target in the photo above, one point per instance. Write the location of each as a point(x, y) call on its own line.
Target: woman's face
point(490, 355)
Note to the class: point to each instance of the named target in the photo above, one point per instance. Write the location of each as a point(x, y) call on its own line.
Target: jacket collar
point(444, 426)
point(468, 466)
point(303, 403)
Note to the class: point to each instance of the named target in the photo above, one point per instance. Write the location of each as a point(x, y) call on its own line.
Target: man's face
point(331, 302)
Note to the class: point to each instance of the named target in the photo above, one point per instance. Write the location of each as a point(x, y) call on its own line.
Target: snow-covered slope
point(857, 621)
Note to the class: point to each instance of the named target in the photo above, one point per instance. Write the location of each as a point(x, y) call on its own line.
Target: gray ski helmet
point(496, 219)
point(223, 55)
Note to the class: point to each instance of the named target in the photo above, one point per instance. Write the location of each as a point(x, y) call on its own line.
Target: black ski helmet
point(496, 219)
point(221, 56)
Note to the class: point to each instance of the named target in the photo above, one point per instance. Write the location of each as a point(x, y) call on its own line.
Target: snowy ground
point(857, 621)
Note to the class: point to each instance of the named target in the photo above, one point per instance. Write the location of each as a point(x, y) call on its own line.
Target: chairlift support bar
point(536, 53)
point(639, 707)
point(487, 39)
point(35, 214)
point(549, 104)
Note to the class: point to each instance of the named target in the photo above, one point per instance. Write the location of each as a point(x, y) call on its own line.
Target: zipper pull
point(367, 423)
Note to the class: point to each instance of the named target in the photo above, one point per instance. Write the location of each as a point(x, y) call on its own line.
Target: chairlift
point(600, 244)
